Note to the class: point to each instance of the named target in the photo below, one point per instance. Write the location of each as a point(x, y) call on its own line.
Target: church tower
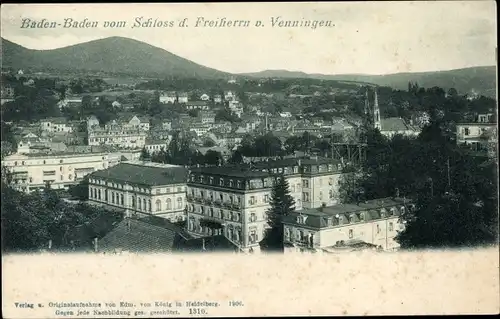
point(376, 112)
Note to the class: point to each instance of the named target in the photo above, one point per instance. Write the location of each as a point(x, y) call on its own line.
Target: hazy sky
point(371, 38)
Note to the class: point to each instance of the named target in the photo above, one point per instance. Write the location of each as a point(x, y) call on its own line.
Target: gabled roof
point(393, 124)
point(137, 236)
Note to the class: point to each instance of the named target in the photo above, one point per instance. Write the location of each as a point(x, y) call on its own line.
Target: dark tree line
point(42, 220)
point(455, 194)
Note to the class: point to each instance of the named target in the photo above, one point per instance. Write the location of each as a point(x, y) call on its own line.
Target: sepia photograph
point(249, 159)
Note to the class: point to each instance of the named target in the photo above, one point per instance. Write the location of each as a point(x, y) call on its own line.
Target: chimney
point(96, 244)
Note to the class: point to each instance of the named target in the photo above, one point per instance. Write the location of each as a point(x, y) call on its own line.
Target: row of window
point(179, 189)
point(117, 198)
point(301, 235)
point(232, 232)
point(306, 198)
point(220, 213)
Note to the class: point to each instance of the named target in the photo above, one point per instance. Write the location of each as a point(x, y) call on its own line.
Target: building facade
point(141, 189)
point(60, 170)
point(376, 222)
point(478, 135)
point(56, 124)
point(118, 136)
point(237, 198)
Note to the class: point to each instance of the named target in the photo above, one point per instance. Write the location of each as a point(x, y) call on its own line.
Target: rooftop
point(319, 218)
point(138, 236)
point(393, 124)
point(144, 173)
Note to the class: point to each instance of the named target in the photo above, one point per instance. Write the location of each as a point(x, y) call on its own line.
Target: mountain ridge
point(121, 55)
point(481, 79)
point(108, 55)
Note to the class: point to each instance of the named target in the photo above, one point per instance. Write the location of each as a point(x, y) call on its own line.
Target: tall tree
point(282, 204)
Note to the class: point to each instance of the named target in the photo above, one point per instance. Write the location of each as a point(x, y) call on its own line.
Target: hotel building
point(60, 169)
point(237, 198)
point(118, 136)
point(141, 189)
point(374, 222)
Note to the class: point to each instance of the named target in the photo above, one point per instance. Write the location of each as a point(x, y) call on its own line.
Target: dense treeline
point(455, 193)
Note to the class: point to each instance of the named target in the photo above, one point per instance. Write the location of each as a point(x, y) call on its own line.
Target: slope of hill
point(115, 55)
point(479, 79)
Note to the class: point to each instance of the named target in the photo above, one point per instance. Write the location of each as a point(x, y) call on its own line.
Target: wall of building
point(320, 189)
point(377, 232)
point(166, 201)
point(31, 172)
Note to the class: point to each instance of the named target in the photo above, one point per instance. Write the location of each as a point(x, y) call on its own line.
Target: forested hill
point(114, 55)
point(481, 80)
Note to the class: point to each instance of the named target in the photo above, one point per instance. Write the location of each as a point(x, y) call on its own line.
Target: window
point(211, 180)
point(351, 233)
point(305, 183)
point(158, 205)
point(221, 182)
point(266, 198)
point(140, 203)
point(231, 183)
point(144, 203)
point(378, 229)
point(362, 217)
point(305, 196)
point(106, 195)
point(252, 238)
point(320, 195)
point(253, 217)
point(252, 200)
point(238, 184)
point(391, 226)
point(121, 199)
point(169, 204)
point(179, 203)
point(466, 131)
point(112, 197)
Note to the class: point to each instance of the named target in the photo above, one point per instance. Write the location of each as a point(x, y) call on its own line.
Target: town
point(243, 165)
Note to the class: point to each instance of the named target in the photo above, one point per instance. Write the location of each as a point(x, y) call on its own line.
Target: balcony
point(190, 198)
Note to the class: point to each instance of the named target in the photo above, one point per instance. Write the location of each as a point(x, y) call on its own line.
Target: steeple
point(376, 112)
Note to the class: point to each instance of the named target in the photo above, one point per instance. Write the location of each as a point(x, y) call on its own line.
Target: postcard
point(249, 159)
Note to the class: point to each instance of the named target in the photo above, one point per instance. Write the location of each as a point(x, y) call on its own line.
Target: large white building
point(375, 222)
point(237, 198)
point(118, 136)
point(34, 171)
point(141, 189)
point(57, 124)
